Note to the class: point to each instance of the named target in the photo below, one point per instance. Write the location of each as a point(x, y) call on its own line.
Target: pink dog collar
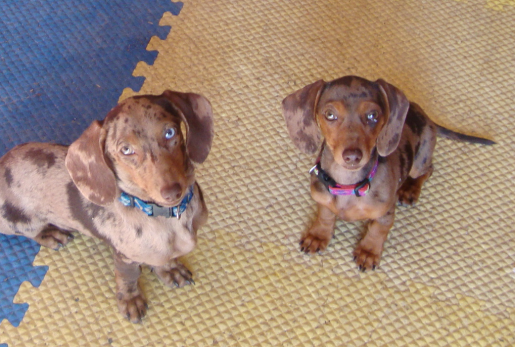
point(359, 189)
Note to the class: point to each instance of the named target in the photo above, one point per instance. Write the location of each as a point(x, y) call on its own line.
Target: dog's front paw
point(132, 306)
point(315, 240)
point(368, 255)
point(174, 275)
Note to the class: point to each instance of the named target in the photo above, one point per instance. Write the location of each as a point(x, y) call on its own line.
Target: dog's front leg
point(174, 274)
point(368, 252)
point(321, 232)
point(131, 302)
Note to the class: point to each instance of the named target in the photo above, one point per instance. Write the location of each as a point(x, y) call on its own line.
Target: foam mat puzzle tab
point(16, 257)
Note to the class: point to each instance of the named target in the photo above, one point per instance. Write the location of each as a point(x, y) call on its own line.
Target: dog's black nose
point(171, 193)
point(352, 156)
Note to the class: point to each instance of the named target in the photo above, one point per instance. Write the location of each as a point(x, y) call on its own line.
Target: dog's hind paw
point(53, 237)
point(409, 192)
point(174, 275)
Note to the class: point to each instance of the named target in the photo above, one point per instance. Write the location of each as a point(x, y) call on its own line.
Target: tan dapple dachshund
point(376, 151)
point(128, 180)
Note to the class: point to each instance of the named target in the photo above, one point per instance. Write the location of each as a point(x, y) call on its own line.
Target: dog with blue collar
point(128, 180)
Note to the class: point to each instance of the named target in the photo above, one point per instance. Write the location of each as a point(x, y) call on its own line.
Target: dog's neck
point(342, 175)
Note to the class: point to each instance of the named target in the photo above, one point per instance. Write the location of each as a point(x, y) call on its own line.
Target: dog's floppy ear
point(86, 163)
point(198, 115)
point(396, 108)
point(299, 114)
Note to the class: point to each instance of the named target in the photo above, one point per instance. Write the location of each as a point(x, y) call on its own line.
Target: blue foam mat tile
point(65, 63)
point(17, 254)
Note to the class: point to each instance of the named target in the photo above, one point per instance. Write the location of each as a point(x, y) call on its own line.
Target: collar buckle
point(131, 201)
point(361, 185)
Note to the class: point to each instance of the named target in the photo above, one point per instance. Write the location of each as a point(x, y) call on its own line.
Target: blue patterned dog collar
point(154, 210)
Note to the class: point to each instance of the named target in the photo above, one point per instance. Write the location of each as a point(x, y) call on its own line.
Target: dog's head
point(140, 148)
point(352, 114)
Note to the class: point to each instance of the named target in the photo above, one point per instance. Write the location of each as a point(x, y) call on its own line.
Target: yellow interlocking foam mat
point(447, 277)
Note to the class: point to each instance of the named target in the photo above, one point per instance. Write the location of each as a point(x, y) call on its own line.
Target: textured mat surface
point(447, 276)
point(65, 63)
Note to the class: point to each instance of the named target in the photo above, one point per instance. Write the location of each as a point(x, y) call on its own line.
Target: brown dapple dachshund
point(128, 180)
point(377, 151)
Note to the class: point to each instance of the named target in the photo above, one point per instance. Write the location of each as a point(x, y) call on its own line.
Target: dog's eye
point(372, 116)
point(329, 115)
point(169, 133)
point(127, 150)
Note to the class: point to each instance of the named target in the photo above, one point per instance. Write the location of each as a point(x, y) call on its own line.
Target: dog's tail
point(452, 135)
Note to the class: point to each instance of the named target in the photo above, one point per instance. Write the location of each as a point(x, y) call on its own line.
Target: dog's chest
point(154, 240)
point(373, 205)
point(351, 208)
